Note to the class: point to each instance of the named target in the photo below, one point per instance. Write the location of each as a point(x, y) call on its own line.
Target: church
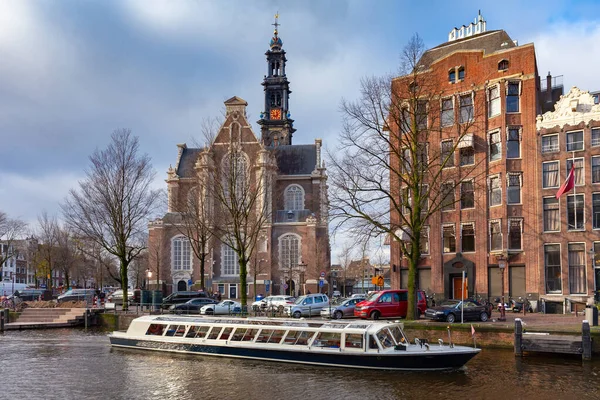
point(291, 254)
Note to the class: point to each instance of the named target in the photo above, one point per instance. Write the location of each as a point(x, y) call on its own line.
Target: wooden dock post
point(586, 341)
point(3, 319)
point(518, 337)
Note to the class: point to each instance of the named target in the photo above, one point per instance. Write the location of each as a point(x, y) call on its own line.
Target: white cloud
point(571, 49)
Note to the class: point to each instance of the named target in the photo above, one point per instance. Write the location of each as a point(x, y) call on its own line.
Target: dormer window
point(503, 65)
point(452, 75)
point(461, 73)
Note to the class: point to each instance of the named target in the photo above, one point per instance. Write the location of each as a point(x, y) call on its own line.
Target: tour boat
point(353, 344)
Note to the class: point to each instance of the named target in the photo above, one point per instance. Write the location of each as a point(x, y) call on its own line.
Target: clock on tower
point(276, 113)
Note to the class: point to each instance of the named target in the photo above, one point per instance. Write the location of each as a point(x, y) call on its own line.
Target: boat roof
point(354, 325)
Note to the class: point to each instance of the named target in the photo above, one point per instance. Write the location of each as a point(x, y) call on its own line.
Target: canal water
point(75, 364)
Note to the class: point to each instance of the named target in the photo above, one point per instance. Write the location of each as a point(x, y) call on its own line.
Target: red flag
point(569, 182)
point(472, 330)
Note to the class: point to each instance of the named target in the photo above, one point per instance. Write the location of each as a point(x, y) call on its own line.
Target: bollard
point(2, 316)
point(518, 337)
point(586, 341)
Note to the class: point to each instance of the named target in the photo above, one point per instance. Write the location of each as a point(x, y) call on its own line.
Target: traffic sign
point(322, 274)
point(267, 287)
point(321, 282)
point(190, 282)
point(285, 286)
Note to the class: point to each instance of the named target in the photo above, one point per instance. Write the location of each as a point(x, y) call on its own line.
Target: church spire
point(276, 124)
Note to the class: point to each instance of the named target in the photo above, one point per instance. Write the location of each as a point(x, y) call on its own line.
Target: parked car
point(116, 297)
point(181, 297)
point(269, 302)
point(343, 309)
point(450, 311)
point(222, 308)
point(336, 293)
point(307, 305)
point(388, 304)
point(192, 306)
point(77, 295)
point(29, 294)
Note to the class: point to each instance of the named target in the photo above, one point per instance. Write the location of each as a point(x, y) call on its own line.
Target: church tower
point(275, 122)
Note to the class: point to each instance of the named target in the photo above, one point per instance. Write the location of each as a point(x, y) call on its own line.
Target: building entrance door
point(456, 288)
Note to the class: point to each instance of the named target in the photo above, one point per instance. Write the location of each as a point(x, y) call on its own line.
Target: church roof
point(236, 101)
point(185, 169)
point(488, 42)
point(296, 159)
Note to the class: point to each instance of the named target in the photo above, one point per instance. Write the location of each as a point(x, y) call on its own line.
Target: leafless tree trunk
point(345, 258)
point(112, 205)
point(388, 177)
point(11, 229)
point(48, 234)
point(240, 208)
point(68, 258)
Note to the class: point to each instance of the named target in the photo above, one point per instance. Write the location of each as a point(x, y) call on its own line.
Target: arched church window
point(294, 198)
point(180, 254)
point(278, 99)
point(272, 99)
point(289, 251)
point(234, 175)
point(230, 265)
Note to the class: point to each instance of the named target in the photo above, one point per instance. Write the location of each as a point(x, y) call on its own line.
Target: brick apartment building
point(293, 248)
point(489, 229)
point(569, 227)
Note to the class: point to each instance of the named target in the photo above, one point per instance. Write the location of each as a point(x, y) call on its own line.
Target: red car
point(388, 304)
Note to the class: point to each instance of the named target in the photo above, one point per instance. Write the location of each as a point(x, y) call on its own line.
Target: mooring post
point(586, 341)
point(2, 316)
point(518, 337)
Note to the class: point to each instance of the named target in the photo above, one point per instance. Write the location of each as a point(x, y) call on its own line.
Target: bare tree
point(114, 202)
point(48, 235)
point(240, 207)
point(11, 229)
point(389, 175)
point(68, 258)
point(345, 259)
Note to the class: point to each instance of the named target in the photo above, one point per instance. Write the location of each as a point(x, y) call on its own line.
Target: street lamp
point(149, 275)
point(592, 254)
point(302, 269)
point(502, 265)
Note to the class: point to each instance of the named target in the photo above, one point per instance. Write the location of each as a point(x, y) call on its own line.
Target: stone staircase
point(48, 318)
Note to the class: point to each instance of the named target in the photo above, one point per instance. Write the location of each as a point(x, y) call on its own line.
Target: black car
point(450, 311)
point(192, 306)
point(181, 297)
point(31, 294)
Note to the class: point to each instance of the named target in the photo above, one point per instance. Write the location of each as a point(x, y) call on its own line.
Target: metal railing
point(556, 81)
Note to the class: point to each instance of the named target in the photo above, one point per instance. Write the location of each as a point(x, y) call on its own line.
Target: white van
point(8, 288)
point(310, 304)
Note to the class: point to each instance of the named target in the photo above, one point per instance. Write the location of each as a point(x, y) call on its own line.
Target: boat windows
point(192, 331)
point(373, 343)
point(276, 336)
point(214, 332)
point(264, 335)
point(385, 338)
point(328, 340)
point(244, 334)
point(226, 333)
point(398, 334)
point(155, 329)
point(202, 331)
point(175, 330)
point(298, 337)
point(353, 341)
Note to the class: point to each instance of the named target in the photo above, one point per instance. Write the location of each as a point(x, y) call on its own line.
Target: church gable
point(235, 128)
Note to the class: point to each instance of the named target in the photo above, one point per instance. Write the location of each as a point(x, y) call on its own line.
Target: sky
point(72, 71)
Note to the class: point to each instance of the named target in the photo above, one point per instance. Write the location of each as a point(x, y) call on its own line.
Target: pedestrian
point(219, 296)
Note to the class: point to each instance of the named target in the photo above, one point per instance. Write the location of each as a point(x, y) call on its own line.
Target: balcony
point(283, 216)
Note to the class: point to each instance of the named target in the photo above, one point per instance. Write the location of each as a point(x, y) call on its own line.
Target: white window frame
point(592, 168)
point(230, 263)
point(493, 222)
point(451, 158)
point(294, 201)
point(594, 217)
point(461, 193)
point(595, 138)
point(548, 148)
point(452, 191)
point(544, 213)
point(491, 134)
point(425, 233)
point(287, 258)
point(557, 162)
point(579, 175)
point(454, 233)
point(443, 122)
point(181, 259)
point(510, 175)
point(582, 139)
point(491, 101)
point(546, 269)
point(574, 196)
point(472, 116)
point(491, 189)
point(583, 267)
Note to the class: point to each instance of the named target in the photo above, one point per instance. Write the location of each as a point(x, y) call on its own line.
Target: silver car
point(343, 309)
point(307, 305)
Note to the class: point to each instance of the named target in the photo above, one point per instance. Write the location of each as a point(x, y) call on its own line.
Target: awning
point(465, 141)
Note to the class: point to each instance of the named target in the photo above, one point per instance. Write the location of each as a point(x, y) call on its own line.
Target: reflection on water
point(70, 364)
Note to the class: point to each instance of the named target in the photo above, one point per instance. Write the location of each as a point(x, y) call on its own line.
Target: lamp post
point(301, 269)
point(592, 254)
point(502, 265)
point(148, 275)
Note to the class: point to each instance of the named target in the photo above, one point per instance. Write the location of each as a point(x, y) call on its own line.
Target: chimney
point(549, 88)
point(318, 143)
